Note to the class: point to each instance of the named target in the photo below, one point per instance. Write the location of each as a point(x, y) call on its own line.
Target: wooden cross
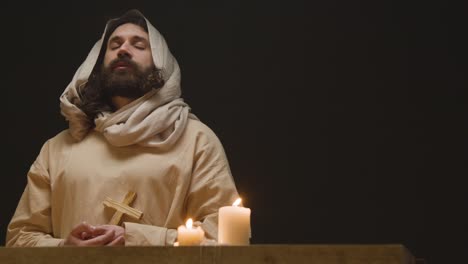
point(123, 208)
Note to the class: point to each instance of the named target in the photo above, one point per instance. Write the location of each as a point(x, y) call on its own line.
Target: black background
point(343, 121)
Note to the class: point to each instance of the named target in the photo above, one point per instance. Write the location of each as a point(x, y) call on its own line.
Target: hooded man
point(129, 131)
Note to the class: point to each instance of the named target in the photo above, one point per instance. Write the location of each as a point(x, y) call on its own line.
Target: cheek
point(147, 60)
point(107, 59)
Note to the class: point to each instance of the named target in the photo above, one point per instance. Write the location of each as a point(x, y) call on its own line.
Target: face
point(131, 41)
point(127, 62)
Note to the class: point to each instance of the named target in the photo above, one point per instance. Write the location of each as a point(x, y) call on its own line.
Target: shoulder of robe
point(201, 132)
point(62, 140)
point(53, 150)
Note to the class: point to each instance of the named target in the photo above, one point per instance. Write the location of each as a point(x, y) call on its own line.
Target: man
point(129, 131)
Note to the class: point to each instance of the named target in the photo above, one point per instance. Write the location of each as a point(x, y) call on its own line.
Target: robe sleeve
point(31, 224)
point(211, 187)
point(148, 235)
point(212, 184)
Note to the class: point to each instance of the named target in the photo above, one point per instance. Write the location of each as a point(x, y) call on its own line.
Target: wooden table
point(265, 254)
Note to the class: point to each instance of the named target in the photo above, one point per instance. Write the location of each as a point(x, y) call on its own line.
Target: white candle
point(234, 224)
point(189, 236)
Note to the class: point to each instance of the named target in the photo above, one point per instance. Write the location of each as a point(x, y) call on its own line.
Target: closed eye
point(140, 46)
point(114, 44)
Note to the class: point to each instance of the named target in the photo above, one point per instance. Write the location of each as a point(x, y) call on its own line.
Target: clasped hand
point(85, 234)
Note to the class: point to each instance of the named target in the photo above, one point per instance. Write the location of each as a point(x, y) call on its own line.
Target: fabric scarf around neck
point(156, 119)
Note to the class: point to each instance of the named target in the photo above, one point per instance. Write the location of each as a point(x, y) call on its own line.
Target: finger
point(83, 227)
point(119, 241)
point(100, 230)
point(85, 235)
point(100, 240)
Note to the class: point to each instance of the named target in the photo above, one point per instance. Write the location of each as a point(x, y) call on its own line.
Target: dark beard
point(103, 84)
point(130, 83)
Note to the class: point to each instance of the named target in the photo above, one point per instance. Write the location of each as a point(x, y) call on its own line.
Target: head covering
point(156, 119)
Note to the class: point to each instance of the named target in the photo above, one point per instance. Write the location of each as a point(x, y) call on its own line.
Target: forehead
point(129, 30)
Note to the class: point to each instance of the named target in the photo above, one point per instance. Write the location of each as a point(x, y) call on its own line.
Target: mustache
point(123, 60)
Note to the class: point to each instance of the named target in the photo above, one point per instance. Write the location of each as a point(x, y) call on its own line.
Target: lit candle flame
point(189, 223)
point(237, 202)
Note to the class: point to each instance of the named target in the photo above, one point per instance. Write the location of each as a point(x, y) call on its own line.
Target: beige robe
point(69, 180)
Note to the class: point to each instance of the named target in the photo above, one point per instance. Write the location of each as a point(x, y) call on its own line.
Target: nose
point(124, 50)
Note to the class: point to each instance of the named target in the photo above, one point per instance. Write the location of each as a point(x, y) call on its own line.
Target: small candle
point(189, 236)
point(234, 224)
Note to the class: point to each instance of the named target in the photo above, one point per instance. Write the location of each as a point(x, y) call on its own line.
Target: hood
point(79, 123)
